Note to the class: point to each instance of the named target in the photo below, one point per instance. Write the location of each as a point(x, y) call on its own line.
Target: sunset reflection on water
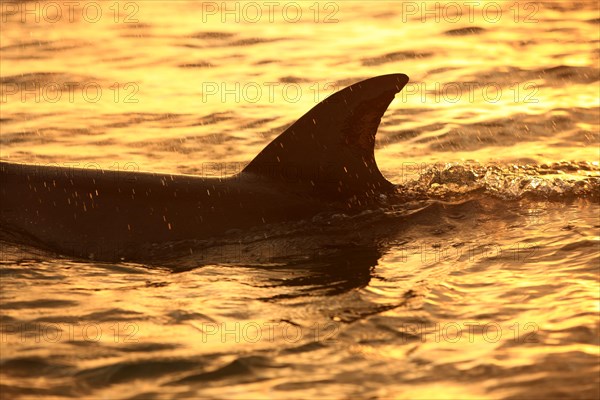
point(187, 87)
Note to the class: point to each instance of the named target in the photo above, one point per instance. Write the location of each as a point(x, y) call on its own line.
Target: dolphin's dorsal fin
point(330, 150)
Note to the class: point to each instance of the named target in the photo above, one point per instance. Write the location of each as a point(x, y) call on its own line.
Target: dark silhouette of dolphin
point(323, 162)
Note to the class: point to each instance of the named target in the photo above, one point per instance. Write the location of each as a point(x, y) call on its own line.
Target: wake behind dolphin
point(323, 162)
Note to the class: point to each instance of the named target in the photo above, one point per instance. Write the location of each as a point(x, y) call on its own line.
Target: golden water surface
point(483, 284)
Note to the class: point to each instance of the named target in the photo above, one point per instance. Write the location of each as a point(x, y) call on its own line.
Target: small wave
point(471, 30)
point(564, 180)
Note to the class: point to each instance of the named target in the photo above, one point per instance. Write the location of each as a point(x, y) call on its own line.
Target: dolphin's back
point(84, 211)
point(324, 161)
point(84, 208)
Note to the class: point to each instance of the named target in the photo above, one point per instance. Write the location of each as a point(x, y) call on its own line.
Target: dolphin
point(323, 162)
